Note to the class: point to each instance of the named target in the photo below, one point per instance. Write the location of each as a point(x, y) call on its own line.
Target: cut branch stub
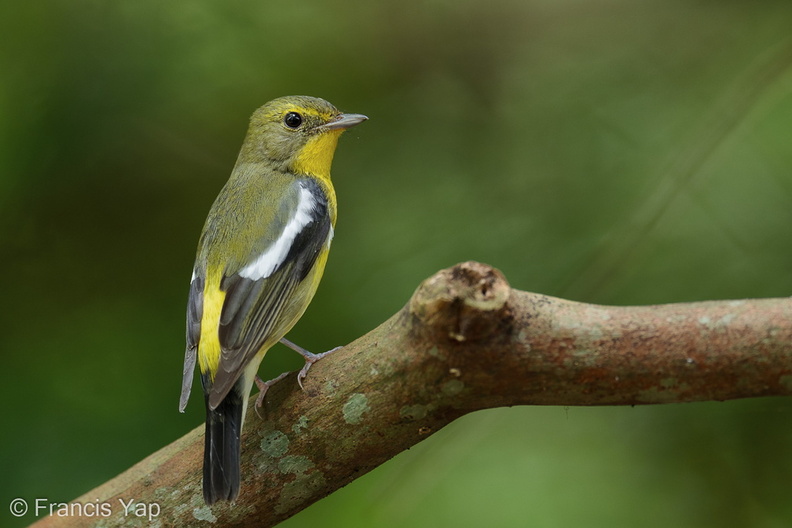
point(466, 303)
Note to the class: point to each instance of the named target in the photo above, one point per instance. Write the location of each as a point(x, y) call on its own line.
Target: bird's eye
point(293, 120)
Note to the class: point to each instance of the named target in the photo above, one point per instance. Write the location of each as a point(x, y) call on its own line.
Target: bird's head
point(297, 133)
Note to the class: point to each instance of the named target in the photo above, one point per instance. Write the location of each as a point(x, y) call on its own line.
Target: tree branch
point(465, 341)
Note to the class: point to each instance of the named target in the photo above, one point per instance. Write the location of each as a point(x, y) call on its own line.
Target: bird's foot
point(310, 358)
point(263, 387)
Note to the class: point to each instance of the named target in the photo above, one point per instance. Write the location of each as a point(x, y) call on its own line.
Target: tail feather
point(222, 448)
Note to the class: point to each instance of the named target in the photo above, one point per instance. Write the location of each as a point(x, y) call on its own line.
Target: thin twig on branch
point(466, 341)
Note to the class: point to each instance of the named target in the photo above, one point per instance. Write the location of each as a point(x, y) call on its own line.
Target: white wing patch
point(266, 263)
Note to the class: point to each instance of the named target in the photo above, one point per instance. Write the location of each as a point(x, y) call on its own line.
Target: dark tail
point(221, 451)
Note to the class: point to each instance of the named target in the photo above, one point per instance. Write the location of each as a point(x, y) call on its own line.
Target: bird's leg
point(263, 387)
point(310, 358)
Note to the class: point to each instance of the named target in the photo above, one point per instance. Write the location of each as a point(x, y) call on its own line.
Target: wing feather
point(194, 314)
point(257, 295)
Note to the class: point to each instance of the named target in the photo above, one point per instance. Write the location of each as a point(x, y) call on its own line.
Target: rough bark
point(466, 341)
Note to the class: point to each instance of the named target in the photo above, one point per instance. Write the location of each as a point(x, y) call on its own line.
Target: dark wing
point(194, 314)
point(253, 305)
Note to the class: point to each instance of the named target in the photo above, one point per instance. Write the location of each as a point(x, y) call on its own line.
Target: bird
point(260, 258)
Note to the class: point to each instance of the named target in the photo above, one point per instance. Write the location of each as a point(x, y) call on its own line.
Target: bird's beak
point(344, 121)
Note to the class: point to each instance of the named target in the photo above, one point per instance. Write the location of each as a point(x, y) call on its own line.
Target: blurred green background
point(605, 151)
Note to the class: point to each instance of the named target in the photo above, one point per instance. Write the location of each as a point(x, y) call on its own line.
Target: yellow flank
point(209, 344)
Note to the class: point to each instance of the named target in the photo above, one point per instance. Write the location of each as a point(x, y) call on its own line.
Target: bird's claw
point(310, 359)
point(263, 387)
